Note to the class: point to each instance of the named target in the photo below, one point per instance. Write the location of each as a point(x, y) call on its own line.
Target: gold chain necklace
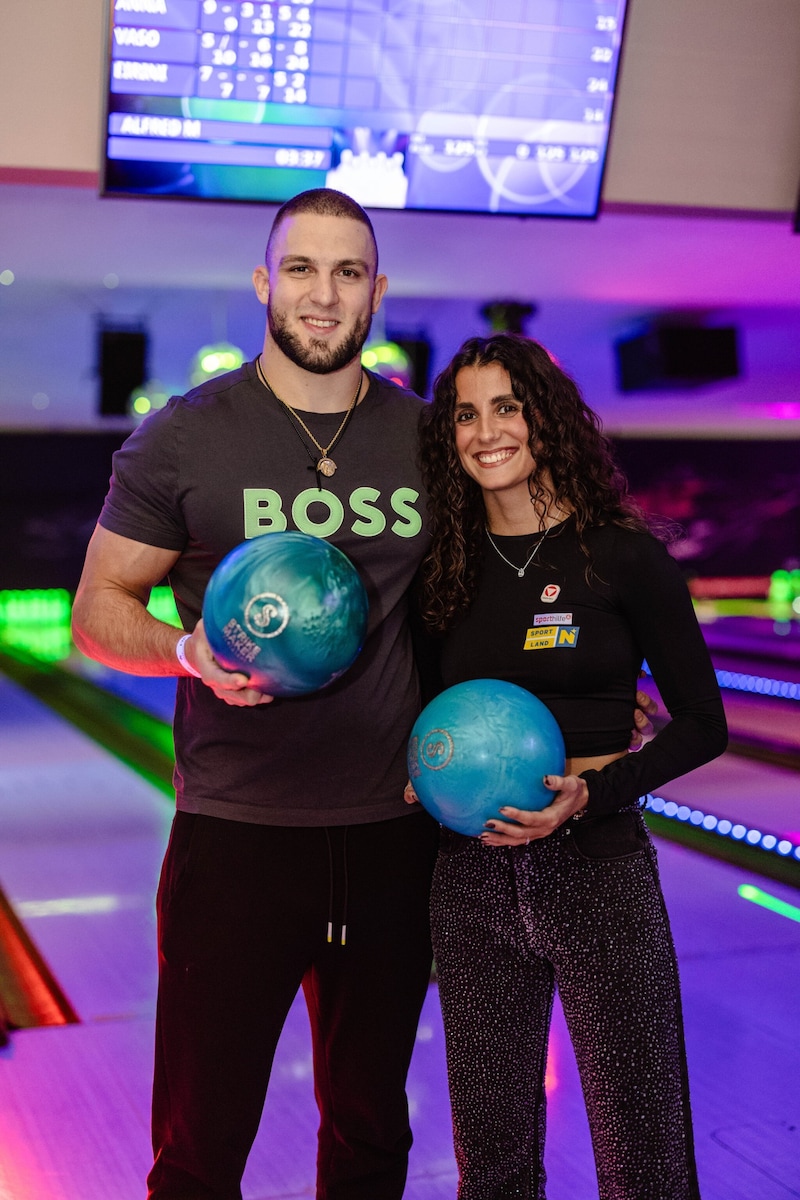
point(325, 464)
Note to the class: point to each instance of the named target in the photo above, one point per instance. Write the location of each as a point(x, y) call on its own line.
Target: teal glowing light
point(765, 900)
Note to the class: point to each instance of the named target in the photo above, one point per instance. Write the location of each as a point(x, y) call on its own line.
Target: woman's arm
point(655, 599)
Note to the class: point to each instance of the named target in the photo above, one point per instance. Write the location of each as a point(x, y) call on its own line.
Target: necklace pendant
point(521, 572)
point(326, 466)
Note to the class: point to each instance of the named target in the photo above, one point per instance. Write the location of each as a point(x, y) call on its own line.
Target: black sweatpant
point(244, 915)
point(580, 910)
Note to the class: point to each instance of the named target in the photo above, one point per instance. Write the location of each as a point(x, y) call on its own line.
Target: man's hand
point(231, 686)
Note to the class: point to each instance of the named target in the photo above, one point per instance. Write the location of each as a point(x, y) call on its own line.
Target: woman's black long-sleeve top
point(578, 642)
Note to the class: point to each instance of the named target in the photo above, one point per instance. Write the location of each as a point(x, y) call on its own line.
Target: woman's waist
point(591, 762)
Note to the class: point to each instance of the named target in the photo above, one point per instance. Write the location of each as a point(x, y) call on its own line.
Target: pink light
point(551, 1070)
point(784, 411)
point(22, 1172)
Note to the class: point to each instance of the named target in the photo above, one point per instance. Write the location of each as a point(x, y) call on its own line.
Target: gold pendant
point(326, 466)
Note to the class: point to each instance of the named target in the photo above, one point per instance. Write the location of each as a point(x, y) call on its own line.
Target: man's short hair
point(324, 202)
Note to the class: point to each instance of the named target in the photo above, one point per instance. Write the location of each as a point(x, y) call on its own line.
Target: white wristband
point(183, 660)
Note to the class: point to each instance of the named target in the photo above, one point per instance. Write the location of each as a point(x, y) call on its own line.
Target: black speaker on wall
point(121, 367)
point(676, 356)
point(418, 350)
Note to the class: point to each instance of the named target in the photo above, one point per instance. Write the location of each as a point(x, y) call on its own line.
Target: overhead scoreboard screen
point(480, 106)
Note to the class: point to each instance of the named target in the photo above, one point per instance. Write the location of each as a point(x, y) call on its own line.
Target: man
point(293, 860)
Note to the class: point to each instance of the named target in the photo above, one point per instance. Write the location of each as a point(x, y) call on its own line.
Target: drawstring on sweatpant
point(345, 886)
point(330, 885)
point(345, 882)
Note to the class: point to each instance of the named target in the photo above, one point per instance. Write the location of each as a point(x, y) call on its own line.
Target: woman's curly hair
point(567, 446)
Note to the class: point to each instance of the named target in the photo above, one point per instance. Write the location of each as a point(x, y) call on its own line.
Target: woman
point(534, 534)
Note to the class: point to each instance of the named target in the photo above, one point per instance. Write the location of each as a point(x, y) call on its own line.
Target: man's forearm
point(115, 628)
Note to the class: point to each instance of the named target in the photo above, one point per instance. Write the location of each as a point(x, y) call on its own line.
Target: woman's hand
point(520, 826)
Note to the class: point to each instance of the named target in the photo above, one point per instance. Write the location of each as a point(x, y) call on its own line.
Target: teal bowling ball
point(287, 609)
point(479, 746)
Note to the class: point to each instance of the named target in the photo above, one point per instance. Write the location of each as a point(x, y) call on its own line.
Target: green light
point(34, 606)
point(214, 360)
point(149, 396)
point(780, 587)
point(36, 620)
point(162, 606)
point(49, 643)
point(389, 360)
point(764, 900)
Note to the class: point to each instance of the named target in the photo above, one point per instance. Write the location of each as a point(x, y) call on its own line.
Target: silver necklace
point(520, 570)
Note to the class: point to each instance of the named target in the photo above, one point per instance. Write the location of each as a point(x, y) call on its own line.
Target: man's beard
point(318, 357)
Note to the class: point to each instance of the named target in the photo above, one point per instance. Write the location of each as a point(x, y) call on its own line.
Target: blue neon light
point(770, 843)
point(737, 681)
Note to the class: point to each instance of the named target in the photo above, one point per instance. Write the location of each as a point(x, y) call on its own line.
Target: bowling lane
point(83, 837)
point(754, 640)
point(82, 828)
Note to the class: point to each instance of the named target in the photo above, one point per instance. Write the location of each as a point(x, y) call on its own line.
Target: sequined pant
point(581, 910)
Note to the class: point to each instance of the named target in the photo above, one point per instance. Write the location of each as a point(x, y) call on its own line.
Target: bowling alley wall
point(734, 506)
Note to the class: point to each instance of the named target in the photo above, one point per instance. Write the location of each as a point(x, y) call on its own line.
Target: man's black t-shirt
point(224, 464)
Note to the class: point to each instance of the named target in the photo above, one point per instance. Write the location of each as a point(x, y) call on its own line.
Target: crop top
point(579, 645)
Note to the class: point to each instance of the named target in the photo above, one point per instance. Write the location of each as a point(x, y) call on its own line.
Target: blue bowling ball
point(287, 609)
point(481, 745)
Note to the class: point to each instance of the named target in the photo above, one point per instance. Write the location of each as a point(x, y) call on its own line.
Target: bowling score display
point(480, 745)
point(288, 610)
point(436, 105)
